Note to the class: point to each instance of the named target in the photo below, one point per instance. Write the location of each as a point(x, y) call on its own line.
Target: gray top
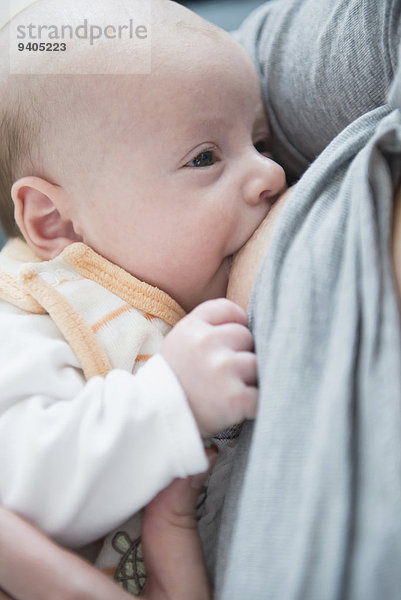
point(322, 64)
point(314, 507)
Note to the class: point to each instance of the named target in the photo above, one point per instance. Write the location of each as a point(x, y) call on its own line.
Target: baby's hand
point(211, 353)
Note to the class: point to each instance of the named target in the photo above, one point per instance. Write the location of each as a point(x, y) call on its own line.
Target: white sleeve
point(78, 458)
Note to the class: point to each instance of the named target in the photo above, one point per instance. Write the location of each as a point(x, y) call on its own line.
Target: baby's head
point(164, 174)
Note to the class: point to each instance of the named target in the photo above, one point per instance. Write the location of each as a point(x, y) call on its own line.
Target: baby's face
point(185, 181)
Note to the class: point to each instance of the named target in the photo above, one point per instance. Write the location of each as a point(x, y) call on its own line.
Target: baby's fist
point(211, 352)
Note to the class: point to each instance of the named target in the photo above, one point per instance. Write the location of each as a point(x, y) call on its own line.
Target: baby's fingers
point(220, 311)
point(236, 337)
point(247, 368)
point(249, 402)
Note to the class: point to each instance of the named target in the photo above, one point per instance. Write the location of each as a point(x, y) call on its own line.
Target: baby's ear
point(37, 213)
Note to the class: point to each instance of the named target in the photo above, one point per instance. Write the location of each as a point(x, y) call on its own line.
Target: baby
point(132, 193)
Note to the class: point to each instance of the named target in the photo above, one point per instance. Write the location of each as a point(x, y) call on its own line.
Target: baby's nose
point(265, 182)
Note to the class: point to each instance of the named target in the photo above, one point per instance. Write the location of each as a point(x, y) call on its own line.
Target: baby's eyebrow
point(207, 127)
point(210, 122)
point(201, 132)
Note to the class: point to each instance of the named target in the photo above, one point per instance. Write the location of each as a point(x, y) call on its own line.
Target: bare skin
point(248, 260)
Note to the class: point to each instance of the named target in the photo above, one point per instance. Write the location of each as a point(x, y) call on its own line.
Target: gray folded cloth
point(319, 514)
point(322, 64)
point(314, 506)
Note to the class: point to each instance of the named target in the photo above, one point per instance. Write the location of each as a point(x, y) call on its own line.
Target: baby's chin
point(247, 261)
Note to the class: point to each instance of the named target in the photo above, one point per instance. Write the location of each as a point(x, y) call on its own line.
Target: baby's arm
point(78, 458)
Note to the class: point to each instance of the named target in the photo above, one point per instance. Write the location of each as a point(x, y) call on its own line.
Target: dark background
point(228, 14)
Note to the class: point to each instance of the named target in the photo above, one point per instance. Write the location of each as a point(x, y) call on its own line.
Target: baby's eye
point(204, 159)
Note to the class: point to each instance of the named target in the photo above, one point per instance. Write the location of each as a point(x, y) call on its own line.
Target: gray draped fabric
point(322, 64)
point(314, 506)
point(319, 513)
